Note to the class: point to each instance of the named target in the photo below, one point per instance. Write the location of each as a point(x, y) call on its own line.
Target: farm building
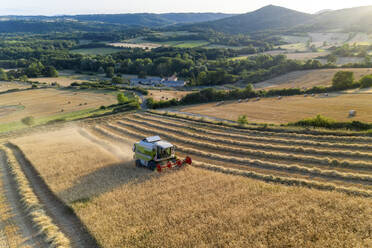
point(156, 81)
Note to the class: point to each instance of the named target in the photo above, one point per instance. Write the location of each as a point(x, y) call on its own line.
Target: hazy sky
point(55, 7)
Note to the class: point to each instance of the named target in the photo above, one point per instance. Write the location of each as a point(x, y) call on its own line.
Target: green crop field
point(96, 51)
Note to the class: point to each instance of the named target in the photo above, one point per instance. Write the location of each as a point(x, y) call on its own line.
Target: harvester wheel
point(152, 165)
point(138, 163)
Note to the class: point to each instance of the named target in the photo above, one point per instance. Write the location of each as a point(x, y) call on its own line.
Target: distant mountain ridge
point(267, 18)
point(275, 18)
point(138, 19)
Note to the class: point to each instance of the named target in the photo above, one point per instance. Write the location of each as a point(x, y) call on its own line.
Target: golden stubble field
point(48, 102)
point(291, 109)
point(62, 81)
point(308, 78)
point(5, 86)
point(159, 95)
point(125, 206)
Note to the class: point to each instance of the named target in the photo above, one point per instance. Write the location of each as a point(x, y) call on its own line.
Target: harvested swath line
point(327, 138)
point(53, 234)
point(255, 175)
point(227, 124)
point(257, 138)
point(285, 134)
point(291, 149)
point(267, 165)
point(285, 180)
point(262, 154)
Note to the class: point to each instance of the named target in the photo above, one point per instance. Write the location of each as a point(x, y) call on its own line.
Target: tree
point(110, 72)
point(3, 75)
point(249, 88)
point(331, 59)
point(29, 121)
point(343, 80)
point(122, 98)
point(50, 71)
point(117, 80)
point(366, 81)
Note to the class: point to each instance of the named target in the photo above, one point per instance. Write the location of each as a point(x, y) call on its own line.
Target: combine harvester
point(155, 153)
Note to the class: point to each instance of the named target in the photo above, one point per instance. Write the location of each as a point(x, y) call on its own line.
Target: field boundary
point(63, 215)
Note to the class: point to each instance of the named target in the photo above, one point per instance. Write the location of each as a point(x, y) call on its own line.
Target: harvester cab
point(155, 153)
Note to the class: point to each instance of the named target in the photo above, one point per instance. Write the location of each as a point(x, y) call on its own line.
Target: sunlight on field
point(308, 78)
point(291, 109)
point(167, 94)
point(125, 206)
point(62, 81)
point(48, 102)
point(5, 86)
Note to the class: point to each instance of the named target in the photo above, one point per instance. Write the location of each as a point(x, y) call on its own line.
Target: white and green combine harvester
point(155, 153)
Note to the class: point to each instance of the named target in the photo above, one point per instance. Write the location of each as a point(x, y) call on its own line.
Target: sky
point(58, 7)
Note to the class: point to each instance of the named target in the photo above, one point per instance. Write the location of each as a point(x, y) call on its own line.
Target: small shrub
point(242, 120)
point(122, 98)
point(29, 121)
point(56, 121)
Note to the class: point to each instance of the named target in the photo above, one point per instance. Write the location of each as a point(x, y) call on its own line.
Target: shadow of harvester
point(105, 180)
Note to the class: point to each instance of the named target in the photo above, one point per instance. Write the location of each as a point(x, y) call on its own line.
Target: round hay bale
point(352, 113)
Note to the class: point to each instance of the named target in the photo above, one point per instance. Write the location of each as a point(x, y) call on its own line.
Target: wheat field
point(318, 195)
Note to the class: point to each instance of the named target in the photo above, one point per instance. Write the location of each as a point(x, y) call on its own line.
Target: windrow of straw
point(256, 153)
point(199, 129)
point(51, 232)
point(268, 178)
point(282, 133)
point(284, 180)
point(260, 164)
point(281, 148)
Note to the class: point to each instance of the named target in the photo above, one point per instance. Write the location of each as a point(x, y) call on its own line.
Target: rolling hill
point(357, 19)
point(275, 18)
point(267, 18)
point(140, 19)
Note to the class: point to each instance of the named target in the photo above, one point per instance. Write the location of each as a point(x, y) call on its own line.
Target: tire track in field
point(61, 214)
